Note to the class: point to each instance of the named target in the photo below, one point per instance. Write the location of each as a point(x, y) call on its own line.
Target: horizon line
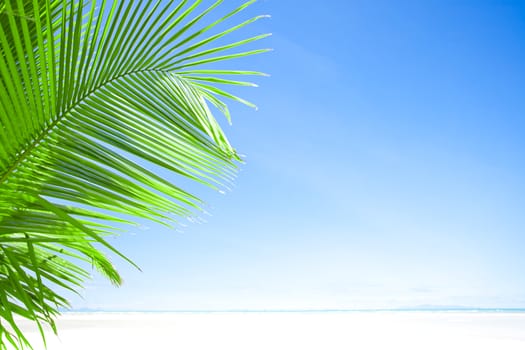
point(397, 309)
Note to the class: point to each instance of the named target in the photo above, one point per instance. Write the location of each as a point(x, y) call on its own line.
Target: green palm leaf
point(84, 86)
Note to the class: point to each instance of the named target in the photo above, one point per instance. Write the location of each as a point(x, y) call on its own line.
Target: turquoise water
point(437, 309)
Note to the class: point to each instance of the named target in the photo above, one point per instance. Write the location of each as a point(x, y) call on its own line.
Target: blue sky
point(384, 168)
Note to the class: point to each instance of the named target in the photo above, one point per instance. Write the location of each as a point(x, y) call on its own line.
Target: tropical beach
point(372, 330)
point(368, 194)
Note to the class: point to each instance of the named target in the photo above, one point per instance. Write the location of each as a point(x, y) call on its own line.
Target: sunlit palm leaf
point(83, 85)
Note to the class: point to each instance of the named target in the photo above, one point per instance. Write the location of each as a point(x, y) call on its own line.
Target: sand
point(258, 331)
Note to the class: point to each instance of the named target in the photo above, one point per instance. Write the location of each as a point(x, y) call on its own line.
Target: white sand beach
point(281, 330)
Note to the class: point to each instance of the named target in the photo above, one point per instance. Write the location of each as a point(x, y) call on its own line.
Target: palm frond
point(83, 84)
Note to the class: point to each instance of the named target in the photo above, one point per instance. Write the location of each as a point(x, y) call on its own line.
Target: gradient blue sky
point(385, 168)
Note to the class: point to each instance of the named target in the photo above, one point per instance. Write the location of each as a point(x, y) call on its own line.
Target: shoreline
point(407, 330)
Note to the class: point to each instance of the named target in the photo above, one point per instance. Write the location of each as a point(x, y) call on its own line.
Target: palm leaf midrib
point(47, 130)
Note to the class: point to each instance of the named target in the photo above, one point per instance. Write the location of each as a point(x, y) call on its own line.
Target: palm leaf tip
point(92, 91)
